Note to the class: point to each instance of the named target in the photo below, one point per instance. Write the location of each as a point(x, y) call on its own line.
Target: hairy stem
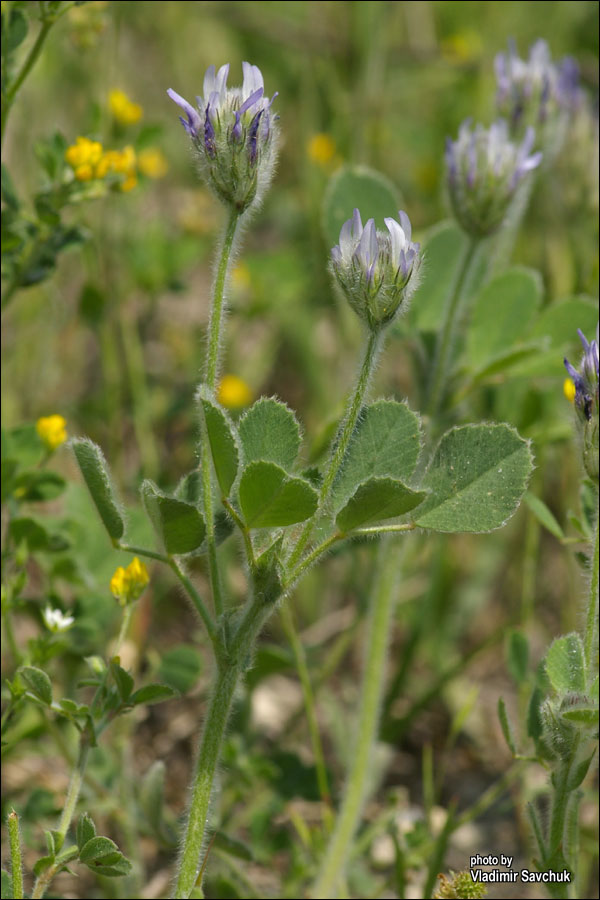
point(210, 377)
point(206, 764)
point(591, 619)
point(342, 439)
point(381, 609)
point(443, 350)
point(16, 862)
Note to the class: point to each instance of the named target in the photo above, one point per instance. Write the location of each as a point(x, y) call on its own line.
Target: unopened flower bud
point(585, 380)
point(484, 169)
point(235, 135)
point(377, 270)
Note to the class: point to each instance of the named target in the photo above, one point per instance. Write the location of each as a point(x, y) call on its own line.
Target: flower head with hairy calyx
point(484, 169)
point(585, 380)
point(235, 134)
point(377, 270)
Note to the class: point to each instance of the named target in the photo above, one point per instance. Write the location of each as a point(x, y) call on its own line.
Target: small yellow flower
point(321, 149)
point(52, 431)
point(152, 163)
point(569, 389)
point(233, 392)
point(128, 584)
point(84, 156)
point(123, 109)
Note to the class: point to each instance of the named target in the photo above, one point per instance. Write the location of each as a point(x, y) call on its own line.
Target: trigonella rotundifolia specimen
point(235, 135)
point(484, 169)
point(377, 270)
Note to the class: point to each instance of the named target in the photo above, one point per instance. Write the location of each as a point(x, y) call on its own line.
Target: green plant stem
point(210, 749)
point(560, 801)
point(245, 531)
point(591, 619)
point(230, 667)
point(381, 609)
point(196, 600)
point(287, 620)
point(16, 862)
point(74, 788)
point(210, 377)
point(28, 64)
point(312, 558)
point(10, 638)
point(185, 581)
point(441, 362)
point(135, 368)
point(77, 776)
point(218, 303)
point(343, 438)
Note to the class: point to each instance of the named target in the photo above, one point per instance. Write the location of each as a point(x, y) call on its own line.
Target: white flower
point(56, 620)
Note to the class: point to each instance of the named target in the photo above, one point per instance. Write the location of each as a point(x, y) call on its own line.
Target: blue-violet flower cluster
point(377, 270)
point(484, 169)
point(235, 134)
point(586, 380)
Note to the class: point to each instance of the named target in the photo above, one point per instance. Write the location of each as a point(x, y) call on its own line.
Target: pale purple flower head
point(484, 169)
point(377, 270)
point(235, 134)
point(535, 91)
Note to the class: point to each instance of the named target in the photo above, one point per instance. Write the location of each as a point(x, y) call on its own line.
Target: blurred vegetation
point(113, 341)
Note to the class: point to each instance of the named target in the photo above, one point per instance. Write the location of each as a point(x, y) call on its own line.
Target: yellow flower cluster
point(83, 157)
point(90, 161)
point(52, 431)
point(569, 390)
point(124, 110)
point(128, 584)
point(119, 162)
point(233, 392)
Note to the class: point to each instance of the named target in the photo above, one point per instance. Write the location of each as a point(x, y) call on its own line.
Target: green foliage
point(517, 656)
point(543, 515)
point(37, 683)
point(502, 316)
point(179, 525)
point(476, 478)
point(385, 442)
point(94, 469)
point(361, 188)
point(270, 431)
point(103, 856)
point(375, 500)
point(507, 730)
point(223, 445)
point(564, 664)
point(269, 498)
